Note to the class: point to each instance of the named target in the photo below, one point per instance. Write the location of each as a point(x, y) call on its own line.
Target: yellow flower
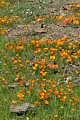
point(14, 101)
point(19, 95)
point(36, 65)
point(43, 73)
point(64, 98)
point(5, 56)
point(52, 57)
point(55, 116)
point(61, 107)
point(70, 100)
point(76, 22)
point(34, 68)
point(5, 64)
point(75, 57)
point(72, 109)
point(45, 49)
point(60, 17)
point(11, 10)
point(69, 59)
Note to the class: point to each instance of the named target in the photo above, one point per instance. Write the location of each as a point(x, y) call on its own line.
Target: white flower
point(27, 118)
point(39, 7)
point(28, 9)
point(26, 12)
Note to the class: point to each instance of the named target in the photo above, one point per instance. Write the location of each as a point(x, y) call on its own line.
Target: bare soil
point(51, 30)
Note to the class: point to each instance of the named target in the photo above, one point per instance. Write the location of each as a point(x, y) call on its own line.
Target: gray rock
point(19, 110)
point(11, 86)
point(27, 84)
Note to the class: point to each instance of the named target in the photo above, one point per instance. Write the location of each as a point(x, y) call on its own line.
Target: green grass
point(32, 60)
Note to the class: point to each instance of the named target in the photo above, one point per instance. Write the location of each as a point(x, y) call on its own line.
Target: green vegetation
point(52, 67)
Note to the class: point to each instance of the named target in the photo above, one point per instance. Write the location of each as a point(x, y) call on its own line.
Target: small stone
point(40, 30)
point(16, 79)
point(77, 83)
point(12, 85)
point(68, 79)
point(27, 84)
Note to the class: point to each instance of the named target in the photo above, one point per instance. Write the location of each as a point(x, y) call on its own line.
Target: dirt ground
point(51, 30)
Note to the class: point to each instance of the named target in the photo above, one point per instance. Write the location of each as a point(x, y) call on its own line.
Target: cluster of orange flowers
point(7, 20)
point(47, 54)
point(3, 4)
point(75, 18)
point(72, 19)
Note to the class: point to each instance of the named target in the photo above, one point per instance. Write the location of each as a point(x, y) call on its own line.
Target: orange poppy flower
point(46, 102)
